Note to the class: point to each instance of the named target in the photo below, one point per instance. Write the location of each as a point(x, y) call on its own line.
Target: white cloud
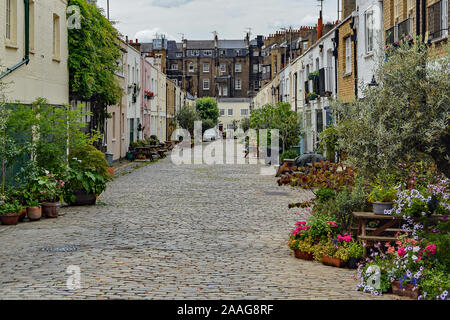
point(148, 34)
point(170, 3)
point(196, 19)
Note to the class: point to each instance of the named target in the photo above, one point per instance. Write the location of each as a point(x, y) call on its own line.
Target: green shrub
point(290, 154)
point(91, 160)
point(325, 194)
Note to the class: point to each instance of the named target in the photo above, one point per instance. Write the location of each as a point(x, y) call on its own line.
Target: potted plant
point(301, 242)
point(313, 75)
point(51, 191)
point(355, 252)
point(34, 210)
point(331, 256)
point(86, 177)
point(382, 198)
point(9, 211)
point(305, 249)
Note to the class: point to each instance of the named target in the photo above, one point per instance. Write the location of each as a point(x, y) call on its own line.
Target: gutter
point(26, 58)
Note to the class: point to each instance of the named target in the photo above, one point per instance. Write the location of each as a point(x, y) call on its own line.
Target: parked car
point(210, 135)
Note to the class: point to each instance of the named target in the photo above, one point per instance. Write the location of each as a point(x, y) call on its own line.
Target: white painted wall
point(134, 77)
point(367, 60)
point(44, 76)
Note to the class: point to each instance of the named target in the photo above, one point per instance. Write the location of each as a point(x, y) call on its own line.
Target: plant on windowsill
point(311, 97)
point(313, 75)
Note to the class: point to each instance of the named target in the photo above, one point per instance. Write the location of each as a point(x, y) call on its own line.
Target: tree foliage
point(406, 118)
point(94, 52)
point(208, 109)
point(186, 118)
point(280, 117)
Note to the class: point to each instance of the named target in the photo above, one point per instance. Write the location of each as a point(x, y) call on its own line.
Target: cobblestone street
point(168, 232)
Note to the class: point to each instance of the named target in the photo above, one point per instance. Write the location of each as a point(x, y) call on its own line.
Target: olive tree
point(406, 117)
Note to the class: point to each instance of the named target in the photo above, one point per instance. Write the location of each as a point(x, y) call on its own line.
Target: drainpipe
point(355, 56)
point(417, 17)
point(26, 58)
point(424, 18)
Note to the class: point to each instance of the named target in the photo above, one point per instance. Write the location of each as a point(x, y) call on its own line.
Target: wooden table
point(388, 223)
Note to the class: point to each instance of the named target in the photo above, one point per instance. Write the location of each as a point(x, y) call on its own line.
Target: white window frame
point(56, 36)
point(238, 68)
point(207, 53)
point(348, 55)
point(206, 67)
point(8, 19)
point(174, 66)
point(223, 67)
point(206, 84)
point(222, 112)
point(230, 112)
point(225, 91)
point(411, 4)
point(179, 55)
point(444, 18)
point(191, 67)
point(244, 112)
point(238, 84)
point(396, 9)
point(369, 23)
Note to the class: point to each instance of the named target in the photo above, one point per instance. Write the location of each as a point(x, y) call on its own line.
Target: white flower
point(416, 249)
point(414, 257)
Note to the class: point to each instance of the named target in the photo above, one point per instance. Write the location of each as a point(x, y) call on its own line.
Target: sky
point(197, 19)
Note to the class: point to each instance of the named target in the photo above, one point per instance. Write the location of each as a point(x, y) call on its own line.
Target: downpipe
point(26, 58)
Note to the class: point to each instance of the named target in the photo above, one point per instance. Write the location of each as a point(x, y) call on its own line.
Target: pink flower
point(401, 252)
point(301, 223)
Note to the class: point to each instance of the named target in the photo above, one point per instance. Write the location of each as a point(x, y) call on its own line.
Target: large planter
point(50, 209)
point(10, 219)
point(333, 262)
point(408, 291)
point(303, 255)
point(34, 213)
point(23, 214)
point(352, 263)
point(82, 198)
point(379, 207)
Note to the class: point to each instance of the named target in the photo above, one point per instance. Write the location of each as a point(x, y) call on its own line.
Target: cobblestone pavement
point(168, 232)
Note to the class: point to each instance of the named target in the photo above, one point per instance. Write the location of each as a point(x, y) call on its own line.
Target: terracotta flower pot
point(111, 171)
point(408, 291)
point(23, 214)
point(10, 219)
point(34, 213)
point(50, 209)
point(331, 261)
point(303, 255)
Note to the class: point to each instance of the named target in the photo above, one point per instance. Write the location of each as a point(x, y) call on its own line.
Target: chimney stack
point(320, 26)
point(126, 39)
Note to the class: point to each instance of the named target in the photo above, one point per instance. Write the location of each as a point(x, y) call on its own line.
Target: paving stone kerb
point(168, 232)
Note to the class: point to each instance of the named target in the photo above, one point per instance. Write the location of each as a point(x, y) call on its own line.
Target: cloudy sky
point(197, 19)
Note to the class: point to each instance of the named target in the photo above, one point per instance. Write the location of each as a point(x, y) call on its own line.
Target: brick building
point(428, 18)
point(210, 68)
